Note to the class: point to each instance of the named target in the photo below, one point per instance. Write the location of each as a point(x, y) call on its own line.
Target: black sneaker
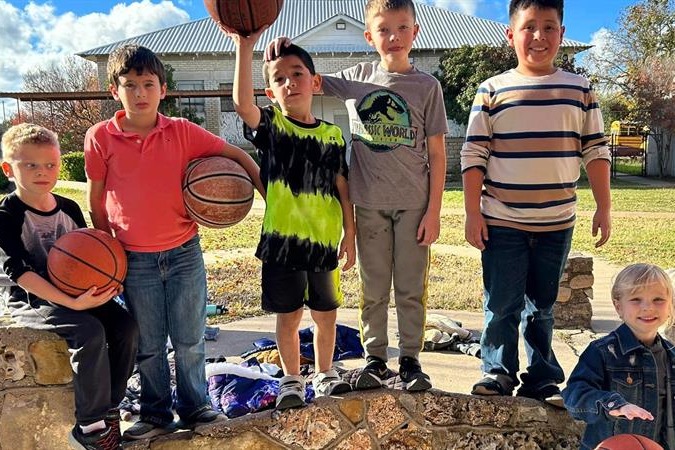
point(372, 375)
point(202, 416)
point(103, 439)
point(147, 430)
point(411, 373)
point(112, 419)
point(549, 394)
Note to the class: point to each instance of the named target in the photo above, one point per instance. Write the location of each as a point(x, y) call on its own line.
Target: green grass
point(643, 230)
point(628, 166)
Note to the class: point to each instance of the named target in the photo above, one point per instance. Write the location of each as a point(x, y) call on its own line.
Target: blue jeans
point(166, 293)
point(521, 275)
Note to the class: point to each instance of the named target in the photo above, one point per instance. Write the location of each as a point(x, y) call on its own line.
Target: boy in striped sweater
point(529, 131)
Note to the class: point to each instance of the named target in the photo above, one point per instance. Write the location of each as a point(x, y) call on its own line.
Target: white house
point(331, 30)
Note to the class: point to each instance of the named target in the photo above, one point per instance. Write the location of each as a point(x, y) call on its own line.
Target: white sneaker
point(291, 392)
point(329, 383)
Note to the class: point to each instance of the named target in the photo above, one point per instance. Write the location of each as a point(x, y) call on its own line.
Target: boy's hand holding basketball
point(90, 299)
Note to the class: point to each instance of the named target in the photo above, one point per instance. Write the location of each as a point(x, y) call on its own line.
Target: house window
point(194, 104)
point(340, 26)
point(226, 103)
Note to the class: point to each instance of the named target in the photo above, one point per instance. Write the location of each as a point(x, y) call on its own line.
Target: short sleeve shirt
point(390, 117)
point(299, 164)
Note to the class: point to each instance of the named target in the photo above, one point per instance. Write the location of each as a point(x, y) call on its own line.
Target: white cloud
point(464, 6)
point(601, 41)
point(36, 36)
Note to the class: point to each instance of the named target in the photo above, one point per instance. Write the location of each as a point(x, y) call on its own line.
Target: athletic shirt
point(27, 235)
point(299, 164)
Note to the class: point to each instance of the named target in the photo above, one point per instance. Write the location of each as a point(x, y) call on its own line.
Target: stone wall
point(36, 397)
point(36, 413)
point(390, 419)
point(573, 306)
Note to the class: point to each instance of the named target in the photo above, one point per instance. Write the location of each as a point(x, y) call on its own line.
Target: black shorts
point(286, 290)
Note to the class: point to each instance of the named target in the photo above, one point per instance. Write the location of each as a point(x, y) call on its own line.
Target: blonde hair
point(636, 277)
point(375, 6)
point(26, 134)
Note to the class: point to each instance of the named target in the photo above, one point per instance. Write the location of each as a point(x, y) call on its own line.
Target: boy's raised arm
point(242, 91)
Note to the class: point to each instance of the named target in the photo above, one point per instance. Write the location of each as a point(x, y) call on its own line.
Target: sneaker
point(291, 392)
point(103, 439)
point(329, 383)
point(202, 416)
point(112, 419)
point(147, 430)
point(549, 394)
point(413, 378)
point(372, 375)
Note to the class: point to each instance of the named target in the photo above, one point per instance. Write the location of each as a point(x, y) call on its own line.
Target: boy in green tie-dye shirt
point(308, 212)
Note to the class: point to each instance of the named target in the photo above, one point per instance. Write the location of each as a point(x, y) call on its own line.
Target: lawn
point(643, 230)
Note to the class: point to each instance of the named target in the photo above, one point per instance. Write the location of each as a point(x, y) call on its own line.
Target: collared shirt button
point(610, 404)
point(138, 141)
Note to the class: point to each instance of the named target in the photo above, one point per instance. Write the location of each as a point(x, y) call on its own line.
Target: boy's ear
point(316, 83)
point(270, 94)
point(113, 90)
point(7, 169)
point(416, 29)
point(509, 36)
point(368, 37)
point(163, 93)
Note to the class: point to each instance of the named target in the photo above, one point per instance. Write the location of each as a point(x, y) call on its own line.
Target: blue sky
point(40, 32)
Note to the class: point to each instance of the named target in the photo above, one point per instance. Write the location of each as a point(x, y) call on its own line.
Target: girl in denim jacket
point(624, 382)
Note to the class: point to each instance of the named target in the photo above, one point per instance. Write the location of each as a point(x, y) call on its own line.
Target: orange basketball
point(628, 442)
point(244, 16)
point(217, 192)
point(84, 258)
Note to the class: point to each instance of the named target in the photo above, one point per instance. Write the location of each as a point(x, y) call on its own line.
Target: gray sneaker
point(291, 392)
point(147, 430)
point(329, 383)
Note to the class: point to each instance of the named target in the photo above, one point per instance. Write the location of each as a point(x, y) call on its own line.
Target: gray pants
point(388, 248)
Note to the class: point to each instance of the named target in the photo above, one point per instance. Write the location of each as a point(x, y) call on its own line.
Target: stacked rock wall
point(573, 306)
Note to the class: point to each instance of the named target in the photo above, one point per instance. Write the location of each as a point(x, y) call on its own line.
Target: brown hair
point(130, 57)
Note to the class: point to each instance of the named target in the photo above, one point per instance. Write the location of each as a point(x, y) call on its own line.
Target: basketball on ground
point(244, 16)
point(84, 258)
point(217, 192)
point(628, 442)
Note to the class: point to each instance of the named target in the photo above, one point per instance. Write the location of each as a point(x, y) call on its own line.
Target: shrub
point(72, 167)
point(4, 182)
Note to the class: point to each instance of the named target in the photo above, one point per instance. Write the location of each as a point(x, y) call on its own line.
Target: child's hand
point(238, 39)
point(90, 300)
point(602, 220)
point(429, 229)
point(475, 230)
point(630, 412)
point(275, 46)
point(348, 248)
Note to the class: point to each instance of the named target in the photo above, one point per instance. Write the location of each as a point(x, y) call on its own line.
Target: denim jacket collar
point(627, 340)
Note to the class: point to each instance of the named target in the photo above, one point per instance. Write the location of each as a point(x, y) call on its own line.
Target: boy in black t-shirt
point(101, 336)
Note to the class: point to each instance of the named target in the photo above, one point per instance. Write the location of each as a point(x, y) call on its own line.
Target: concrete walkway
point(453, 372)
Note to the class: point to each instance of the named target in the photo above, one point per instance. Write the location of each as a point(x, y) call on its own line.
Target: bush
point(72, 167)
point(4, 182)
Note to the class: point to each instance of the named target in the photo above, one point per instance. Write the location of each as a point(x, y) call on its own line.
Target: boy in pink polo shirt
point(135, 163)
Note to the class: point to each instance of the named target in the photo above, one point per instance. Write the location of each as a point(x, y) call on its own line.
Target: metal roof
point(440, 29)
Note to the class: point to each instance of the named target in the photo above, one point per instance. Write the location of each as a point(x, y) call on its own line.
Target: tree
point(70, 119)
point(636, 62)
point(463, 69)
